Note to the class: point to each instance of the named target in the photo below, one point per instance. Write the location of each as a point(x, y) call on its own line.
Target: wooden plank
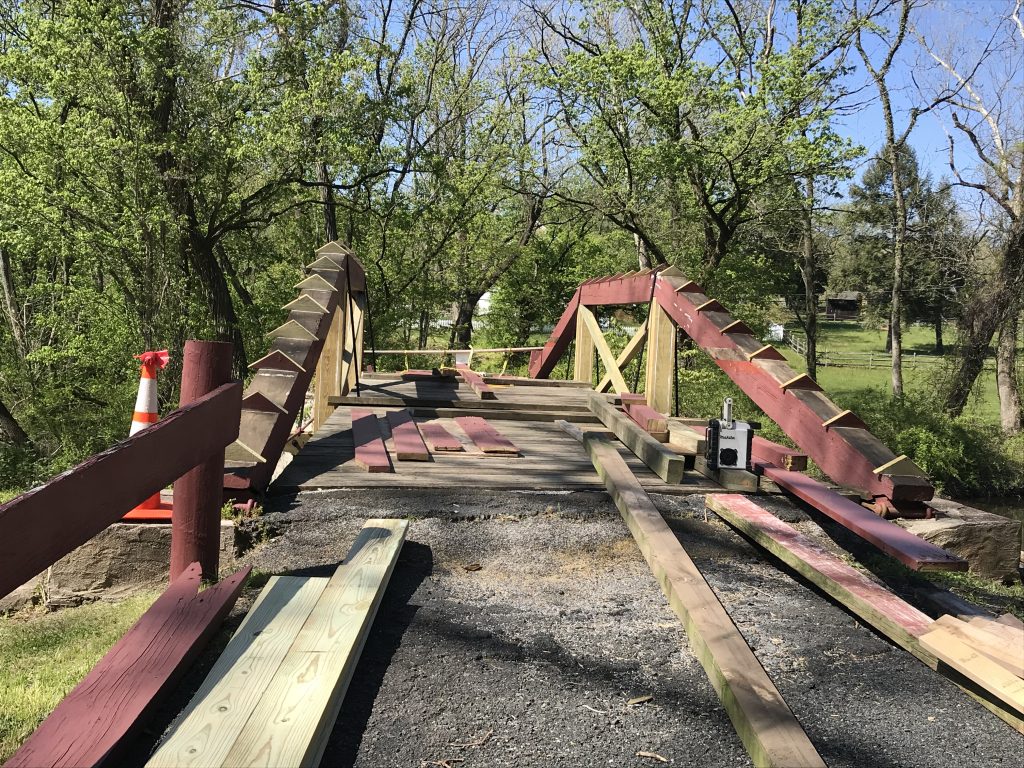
point(486, 437)
point(93, 722)
point(1008, 633)
point(370, 452)
point(583, 357)
point(439, 438)
point(409, 446)
point(221, 707)
point(41, 526)
point(475, 382)
point(763, 721)
point(649, 419)
point(522, 381)
point(660, 368)
point(611, 366)
point(911, 550)
point(779, 455)
point(451, 399)
point(292, 720)
point(1007, 655)
point(276, 360)
point(1010, 620)
point(975, 666)
point(663, 462)
point(730, 478)
point(686, 439)
point(629, 352)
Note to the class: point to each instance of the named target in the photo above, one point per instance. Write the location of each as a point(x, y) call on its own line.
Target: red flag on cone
point(147, 413)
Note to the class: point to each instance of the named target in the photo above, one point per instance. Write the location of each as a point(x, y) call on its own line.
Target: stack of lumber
point(274, 694)
point(988, 652)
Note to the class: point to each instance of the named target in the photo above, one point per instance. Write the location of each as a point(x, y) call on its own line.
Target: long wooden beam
point(611, 365)
point(95, 720)
point(626, 356)
point(766, 726)
point(41, 526)
point(665, 463)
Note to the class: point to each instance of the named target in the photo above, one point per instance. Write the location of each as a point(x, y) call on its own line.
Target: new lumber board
point(663, 462)
point(409, 445)
point(1008, 655)
point(730, 478)
point(767, 728)
point(41, 526)
point(93, 721)
point(475, 382)
point(977, 667)
point(439, 438)
point(913, 551)
point(370, 452)
point(224, 702)
point(294, 717)
point(486, 437)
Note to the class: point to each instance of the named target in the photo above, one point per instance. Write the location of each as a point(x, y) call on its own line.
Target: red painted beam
point(486, 437)
point(648, 418)
point(439, 438)
point(371, 453)
point(635, 289)
point(543, 362)
point(41, 526)
point(772, 453)
point(476, 382)
point(95, 720)
point(911, 550)
point(409, 445)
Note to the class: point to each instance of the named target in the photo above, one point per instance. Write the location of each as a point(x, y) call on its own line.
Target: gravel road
point(526, 629)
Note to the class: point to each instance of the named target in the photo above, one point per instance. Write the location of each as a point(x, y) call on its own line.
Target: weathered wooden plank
point(660, 368)
point(686, 438)
point(44, 524)
point(239, 678)
point(975, 666)
point(409, 446)
point(439, 438)
point(522, 381)
point(486, 437)
point(730, 478)
point(475, 382)
point(663, 462)
point(1010, 620)
point(293, 719)
point(452, 400)
point(911, 550)
point(766, 726)
point(94, 721)
point(371, 454)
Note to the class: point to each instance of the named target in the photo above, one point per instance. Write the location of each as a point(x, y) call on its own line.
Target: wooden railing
point(44, 524)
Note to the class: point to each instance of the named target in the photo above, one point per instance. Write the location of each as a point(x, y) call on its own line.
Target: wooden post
point(352, 354)
point(198, 494)
point(328, 370)
point(661, 337)
point(583, 369)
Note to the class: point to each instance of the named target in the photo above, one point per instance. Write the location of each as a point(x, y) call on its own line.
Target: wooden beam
point(649, 419)
point(41, 526)
point(352, 352)
point(370, 452)
point(692, 440)
point(328, 381)
point(454, 401)
point(486, 437)
point(93, 722)
point(730, 478)
point(975, 666)
point(663, 462)
point(583, 359)
point(631, 350)
point(409, 445)
point(611, 366)
point(913, 551)
point(660, 368)
point(768, 729)
point(439, 438)
point(779, 455)
point(475, 382)
point(1008, 655)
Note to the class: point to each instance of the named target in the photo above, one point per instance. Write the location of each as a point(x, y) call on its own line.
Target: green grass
point(45, 655)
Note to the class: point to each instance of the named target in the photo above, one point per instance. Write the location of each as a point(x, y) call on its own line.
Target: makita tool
point(729, 441)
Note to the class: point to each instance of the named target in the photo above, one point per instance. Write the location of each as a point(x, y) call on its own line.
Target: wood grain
point(409, 445)
point(370, 451)
point(663, 462)
point(486, 437)
point(975, 666)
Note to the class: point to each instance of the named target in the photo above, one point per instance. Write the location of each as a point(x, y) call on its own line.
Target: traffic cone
point(146, 414)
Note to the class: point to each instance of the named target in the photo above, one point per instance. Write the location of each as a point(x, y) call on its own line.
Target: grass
point(45, 655)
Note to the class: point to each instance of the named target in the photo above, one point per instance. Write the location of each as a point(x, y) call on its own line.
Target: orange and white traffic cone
point(147, 413)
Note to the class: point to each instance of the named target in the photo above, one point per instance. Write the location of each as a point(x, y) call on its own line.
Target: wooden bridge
point(274, 695)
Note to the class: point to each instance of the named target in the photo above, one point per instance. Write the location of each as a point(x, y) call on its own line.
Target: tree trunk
point(1006, 378)
point(11, 304)
point(10, 427)
point(329, 204)
point(641, 252)
point(462, 331)
point(939, 346)
point(898, 250)
point(807, 270)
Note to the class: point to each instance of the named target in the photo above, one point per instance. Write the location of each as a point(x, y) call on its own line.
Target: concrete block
point(991, 544)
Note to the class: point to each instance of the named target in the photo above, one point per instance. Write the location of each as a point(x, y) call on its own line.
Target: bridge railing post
point(198, 494)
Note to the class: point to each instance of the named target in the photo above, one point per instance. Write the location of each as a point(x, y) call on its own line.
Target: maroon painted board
point(112, 701)
point(562, 335)
point(773, 453)
point(371, 453)
point(913, 551)
point(486, 437)
point(41, 526)
point(439, 438)
point(648, 418)
point(476, 382)
point(409, 446)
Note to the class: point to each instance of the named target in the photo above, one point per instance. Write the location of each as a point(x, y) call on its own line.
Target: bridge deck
point(549, 459)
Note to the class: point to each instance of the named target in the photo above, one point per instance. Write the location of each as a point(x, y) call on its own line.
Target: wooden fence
point(44, 524)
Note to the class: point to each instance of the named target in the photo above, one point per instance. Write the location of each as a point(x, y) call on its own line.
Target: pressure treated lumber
point(611, 365)
point(663, 462)
point(630, 351)
point(730, 478)
point(486, 437)
point(96, 718)
point(439, 438)
point(371, 454)
point(975, 666)
point(913, 551)
point(766, 726)
point(409, 445)
point(687, 439)
point(1008, 655)
point(291, 723)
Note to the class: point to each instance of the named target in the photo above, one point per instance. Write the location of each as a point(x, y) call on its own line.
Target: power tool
point(729, 441)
